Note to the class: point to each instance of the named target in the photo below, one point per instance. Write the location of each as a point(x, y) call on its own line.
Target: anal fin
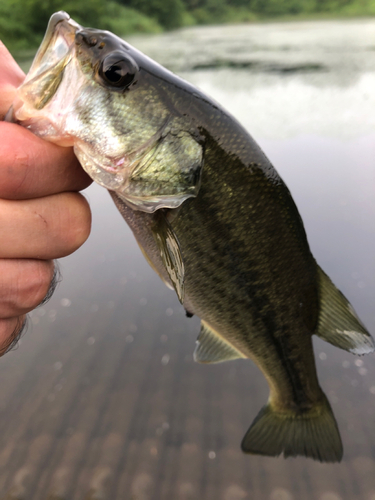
point(338, 323)
point(212, 348)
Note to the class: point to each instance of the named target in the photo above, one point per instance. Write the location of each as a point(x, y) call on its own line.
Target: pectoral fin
point(151, 264)
point(170, 253)
point(338, 323)
point(212, 348)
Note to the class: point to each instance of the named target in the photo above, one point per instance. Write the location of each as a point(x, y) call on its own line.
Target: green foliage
point(168, 13)
point(281, 7)
point(23, 22)
point(211, 11)
point(348, 7)
point(220, 11)
point(125, 20)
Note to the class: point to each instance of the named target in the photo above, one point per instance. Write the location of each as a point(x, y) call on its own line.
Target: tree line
point(23, 22)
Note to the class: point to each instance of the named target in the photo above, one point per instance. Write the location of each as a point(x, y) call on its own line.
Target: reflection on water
point(102, 400)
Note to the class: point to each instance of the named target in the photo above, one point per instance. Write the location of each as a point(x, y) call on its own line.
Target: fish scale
point(247, 287)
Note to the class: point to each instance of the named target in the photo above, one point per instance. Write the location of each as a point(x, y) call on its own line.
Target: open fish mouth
point(40, 95)
point(47, 69)
point(56, 46)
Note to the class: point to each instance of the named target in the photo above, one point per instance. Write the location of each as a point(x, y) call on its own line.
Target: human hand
point(42, 217)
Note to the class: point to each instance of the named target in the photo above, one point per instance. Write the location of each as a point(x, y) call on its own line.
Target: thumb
point(11, 77)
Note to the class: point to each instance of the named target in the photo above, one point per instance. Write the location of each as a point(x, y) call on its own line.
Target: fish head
point(90, 89)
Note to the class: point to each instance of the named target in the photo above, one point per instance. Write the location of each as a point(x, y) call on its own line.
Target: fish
point(211, 215)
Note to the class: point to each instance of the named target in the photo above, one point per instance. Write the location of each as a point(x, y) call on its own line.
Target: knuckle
point(34, 284)
point(78, 223)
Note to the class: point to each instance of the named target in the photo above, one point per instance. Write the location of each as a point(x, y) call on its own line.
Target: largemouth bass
point(211, 215)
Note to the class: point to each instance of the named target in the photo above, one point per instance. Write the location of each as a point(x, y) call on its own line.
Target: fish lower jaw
point(40, 125)
point(46, 130)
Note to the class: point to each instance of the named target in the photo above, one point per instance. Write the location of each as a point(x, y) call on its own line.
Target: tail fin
point(312, 433)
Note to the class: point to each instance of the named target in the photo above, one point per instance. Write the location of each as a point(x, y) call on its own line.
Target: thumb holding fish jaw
point(11, 76)
point(42, 216)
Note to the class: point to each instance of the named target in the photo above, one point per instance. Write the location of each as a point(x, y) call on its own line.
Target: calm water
point(102, 399)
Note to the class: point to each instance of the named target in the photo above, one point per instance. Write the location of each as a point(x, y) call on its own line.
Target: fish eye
point(117, 70)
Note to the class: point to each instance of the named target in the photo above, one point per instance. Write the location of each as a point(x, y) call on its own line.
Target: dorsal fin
point(170, 253)
point(338, 323)
point(212, 348)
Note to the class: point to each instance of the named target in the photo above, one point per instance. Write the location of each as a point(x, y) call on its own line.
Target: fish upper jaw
point(36, 105)
point(56, 44)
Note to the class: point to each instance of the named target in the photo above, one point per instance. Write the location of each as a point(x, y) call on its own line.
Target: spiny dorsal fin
point(312, 433)
point(338, 323)
point(170, 253)
point(212, 348)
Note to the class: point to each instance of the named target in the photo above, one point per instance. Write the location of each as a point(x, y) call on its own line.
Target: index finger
point(31, 167)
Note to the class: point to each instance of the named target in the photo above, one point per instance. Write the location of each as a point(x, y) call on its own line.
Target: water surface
point(102, 399)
